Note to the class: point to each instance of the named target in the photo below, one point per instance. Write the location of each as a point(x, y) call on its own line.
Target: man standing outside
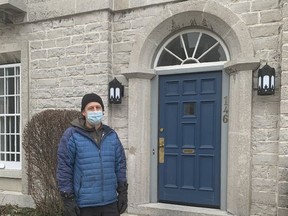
point(91, 170)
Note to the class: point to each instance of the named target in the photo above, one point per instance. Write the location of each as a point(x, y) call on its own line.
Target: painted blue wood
point(190, 115)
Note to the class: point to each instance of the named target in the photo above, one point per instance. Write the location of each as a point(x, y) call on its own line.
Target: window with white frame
point(10, 144)
point(193, 46)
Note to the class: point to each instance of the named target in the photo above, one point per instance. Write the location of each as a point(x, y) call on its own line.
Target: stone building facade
point(68, 48)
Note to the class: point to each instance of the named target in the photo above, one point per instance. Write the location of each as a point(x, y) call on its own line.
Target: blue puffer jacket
point(90, 172)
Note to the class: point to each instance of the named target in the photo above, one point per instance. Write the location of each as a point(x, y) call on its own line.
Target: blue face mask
point(94, 117)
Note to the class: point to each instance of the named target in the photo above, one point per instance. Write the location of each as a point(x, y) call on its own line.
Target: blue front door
point(190, 138)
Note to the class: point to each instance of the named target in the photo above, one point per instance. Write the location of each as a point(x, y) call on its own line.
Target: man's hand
point(122, 197)
point(70, 205)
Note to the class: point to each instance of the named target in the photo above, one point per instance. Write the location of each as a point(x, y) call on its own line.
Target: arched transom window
point(191, 47)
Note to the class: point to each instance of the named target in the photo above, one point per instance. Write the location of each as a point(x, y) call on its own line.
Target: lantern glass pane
point(259, 82)
point(272, 82)
point(117, 93)
point(266, 82)
point(111, 94)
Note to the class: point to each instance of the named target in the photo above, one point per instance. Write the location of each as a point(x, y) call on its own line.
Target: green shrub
point(40, 142)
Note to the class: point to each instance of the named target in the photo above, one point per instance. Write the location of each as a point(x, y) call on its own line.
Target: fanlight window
point(191, 48)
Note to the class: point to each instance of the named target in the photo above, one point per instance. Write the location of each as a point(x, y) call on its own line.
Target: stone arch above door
point(209, 15)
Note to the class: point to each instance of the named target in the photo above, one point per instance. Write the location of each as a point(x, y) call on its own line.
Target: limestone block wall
point(127, 4)
point(38, 9)
point(282, 198)
point(68, 58)
point(265, 22)
point(266, 31)
point(62, 59)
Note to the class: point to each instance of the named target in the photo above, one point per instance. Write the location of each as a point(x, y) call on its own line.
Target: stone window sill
point(15, 174)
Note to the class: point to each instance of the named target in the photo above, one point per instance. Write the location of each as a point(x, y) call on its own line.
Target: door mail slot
point(188, 151)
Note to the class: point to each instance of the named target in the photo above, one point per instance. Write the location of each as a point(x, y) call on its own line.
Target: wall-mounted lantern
point(116, 92)
point(266, 80)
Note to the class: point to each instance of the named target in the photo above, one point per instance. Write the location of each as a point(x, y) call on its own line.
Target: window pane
point(190, 61)
point(2, 105)
point(205, 43)
point(189, 108)
point(168, 59)
point(2, 123)
point(10, 105)
point(17, 124)
point(7, 143)
point(17, 87)
point(8, 157)
point(1, 86)
point(190, 41)
point(10, 71)
point(2, 157)
point(214, 55)
point(1, 72)
point(17, 143)
point(17, 108)
point(2, 146)
point(10, 124)
point(176, 47)
point(13, 143)
point(17, 70)
point(17, 157)
point(13, 125)
point(10, 86)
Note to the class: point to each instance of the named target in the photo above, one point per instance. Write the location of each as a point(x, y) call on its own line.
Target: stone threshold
point(162, 209)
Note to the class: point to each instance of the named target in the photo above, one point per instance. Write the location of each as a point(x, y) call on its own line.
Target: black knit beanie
point(91, 98)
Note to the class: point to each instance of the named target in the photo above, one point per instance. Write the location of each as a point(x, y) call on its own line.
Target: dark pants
point(107, 210)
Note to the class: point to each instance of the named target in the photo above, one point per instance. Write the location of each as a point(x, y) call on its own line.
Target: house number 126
point(226, 110)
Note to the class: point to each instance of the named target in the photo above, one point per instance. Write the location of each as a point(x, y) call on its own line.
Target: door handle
point(161, 144)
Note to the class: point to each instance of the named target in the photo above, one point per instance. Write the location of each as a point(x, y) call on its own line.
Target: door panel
point(190, 134)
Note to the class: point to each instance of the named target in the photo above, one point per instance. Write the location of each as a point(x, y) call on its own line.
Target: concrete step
point(162, 209)
point(125, 214)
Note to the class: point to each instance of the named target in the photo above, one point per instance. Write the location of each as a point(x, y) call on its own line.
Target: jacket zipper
point(101, 164)
point(102, 178)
